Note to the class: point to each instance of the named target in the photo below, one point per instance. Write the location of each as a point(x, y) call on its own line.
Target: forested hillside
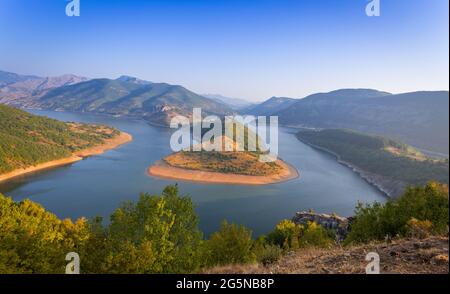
point(154, 102)
point(160, 234)
point(389, 163)
point(27, 140)
point(420, 119)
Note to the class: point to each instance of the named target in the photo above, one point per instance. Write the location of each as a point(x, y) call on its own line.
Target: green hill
point(270, 106)
point(389, 164)
point(27, 140)
point(155, 102)
point(419, 118)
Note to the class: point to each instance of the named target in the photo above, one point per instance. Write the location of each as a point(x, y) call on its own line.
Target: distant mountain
point(133, 80)
point(270, 106)
point(22, 90)
point(420, 119)
point(235, 103)
point(155, 102)
point(7, 78)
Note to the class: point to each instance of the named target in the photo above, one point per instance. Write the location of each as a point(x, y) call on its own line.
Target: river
point(97, 185)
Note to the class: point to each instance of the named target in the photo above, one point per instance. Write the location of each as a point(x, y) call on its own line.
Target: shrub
point(291, 236)
point(33, 240)
point(316, 236)
point(232, 244)
point(376, 221)
point(163, 229)
point(266, 253)
point(157, 234)
point(269, 254)
point(419, 229)
point(286, 235)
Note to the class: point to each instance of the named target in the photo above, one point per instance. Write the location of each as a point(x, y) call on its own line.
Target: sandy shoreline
point(109, 144)
point(162, 170)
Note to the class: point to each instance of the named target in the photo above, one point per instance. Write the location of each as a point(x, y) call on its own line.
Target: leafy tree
point(232, 244)
point(376, 221)
point(316, 236)
point(158, 234)
point(163, 229)
point(33, 240)
point(291, 236)
point(286, 235)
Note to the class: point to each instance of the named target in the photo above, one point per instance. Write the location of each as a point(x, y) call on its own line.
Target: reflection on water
point(97, 185)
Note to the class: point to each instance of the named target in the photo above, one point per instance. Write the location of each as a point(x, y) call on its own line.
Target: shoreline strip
point(162, 170)
point(108, 144)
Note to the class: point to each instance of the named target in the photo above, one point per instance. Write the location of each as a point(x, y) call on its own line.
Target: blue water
point(97, 185)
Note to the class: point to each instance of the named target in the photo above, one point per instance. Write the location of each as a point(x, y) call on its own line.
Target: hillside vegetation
point(386, 162)
point(418, 118)
point(242, 163)
point(27, 140)
point(159, 234)
point(410, 234)
point(154, 102)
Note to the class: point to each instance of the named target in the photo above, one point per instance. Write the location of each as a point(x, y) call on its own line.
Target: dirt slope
point(406, 256)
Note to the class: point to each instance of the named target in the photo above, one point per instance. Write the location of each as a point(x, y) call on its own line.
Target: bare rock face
point(339, 224)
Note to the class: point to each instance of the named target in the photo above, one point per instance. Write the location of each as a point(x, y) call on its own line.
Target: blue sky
point(252, 49)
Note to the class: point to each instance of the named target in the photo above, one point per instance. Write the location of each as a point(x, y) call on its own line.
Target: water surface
point(97, 185)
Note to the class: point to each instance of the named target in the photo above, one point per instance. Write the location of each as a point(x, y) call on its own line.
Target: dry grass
point(406, 256)
point(243, 163)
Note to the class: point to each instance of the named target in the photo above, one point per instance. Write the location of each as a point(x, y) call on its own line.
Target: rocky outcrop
point(340, 225)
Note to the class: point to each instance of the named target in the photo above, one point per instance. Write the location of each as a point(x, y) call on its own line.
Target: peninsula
point(30, 143)
point(222, 168)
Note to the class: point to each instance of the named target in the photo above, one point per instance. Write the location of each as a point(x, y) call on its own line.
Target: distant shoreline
point(108, 144)
point(161, 169)
point(372, 179)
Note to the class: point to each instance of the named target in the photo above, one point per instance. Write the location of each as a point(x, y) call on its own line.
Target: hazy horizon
point(251, 50)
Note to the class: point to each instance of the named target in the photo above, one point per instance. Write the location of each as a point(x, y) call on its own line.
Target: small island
point(222, 168)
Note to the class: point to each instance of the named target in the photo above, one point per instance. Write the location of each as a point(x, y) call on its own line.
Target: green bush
point(162, 228)
point(291, 236)
point(266, 253)
point(314, 235)
point(232, 244)
point(33, 240)
point(286, 235)
point(419, 229)
point(377, 221)
point(157, 234)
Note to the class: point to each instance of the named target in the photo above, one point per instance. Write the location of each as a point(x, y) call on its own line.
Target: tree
point(425, 204)
point(162, 230)
point(232, 244)
point(33, 240)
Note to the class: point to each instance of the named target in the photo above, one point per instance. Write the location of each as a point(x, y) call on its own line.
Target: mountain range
point(270, 106)
point(234, 103)
point(420, 119)
point(125, 96)
point(21, 90)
